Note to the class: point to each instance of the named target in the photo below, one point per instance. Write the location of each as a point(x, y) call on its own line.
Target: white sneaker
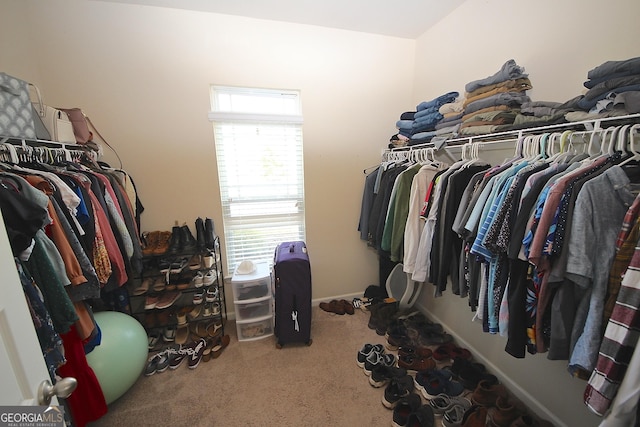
point(210, 277)
point(198, 280)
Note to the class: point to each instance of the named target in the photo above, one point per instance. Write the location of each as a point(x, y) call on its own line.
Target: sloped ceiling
point(405, 19)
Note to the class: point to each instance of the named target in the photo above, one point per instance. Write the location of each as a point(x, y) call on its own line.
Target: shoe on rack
point(195, 312)
point(175, 243)
point(152, 339)
point(163, 243)
point(182, 334)
point(143, 287)
point(150, 302)
point(212, 294)
point(178, 265)
point(198, 297)
point(366, 350)
point(169, 333)
point(181, 315)
point(215, 309)
point(198, 280)
point(210, 277)
point(213, 329)
point(167, 299)
point(195, 351)
point(210, 233)
point(207, 259)
point(200, 233)
point(150, 240)
point(189, 243)
point(405, 407)
point(195, 263)
point(396, 390)
point(158, 284)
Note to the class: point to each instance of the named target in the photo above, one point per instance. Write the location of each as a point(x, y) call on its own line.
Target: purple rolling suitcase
point(292, 273)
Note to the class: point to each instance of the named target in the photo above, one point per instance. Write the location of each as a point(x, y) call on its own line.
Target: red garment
point(87, 402)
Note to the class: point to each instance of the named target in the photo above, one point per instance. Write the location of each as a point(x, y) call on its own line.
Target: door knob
point(62, 389)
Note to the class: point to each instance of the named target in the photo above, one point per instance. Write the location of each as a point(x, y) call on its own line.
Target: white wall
point(143, 75)
point(558, 43)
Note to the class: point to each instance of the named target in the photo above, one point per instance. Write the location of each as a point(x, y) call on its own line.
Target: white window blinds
point(258, 138)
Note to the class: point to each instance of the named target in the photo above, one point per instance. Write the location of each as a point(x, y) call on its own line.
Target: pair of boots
point(182, 241)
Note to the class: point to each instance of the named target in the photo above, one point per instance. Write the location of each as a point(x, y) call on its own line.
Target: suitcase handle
point(292, 248)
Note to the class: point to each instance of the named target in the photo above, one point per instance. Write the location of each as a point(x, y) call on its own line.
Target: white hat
point(246, 267)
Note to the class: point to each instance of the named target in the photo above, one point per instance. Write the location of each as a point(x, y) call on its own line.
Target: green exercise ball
point(122, 354)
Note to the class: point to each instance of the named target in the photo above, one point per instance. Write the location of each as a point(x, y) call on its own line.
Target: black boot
point(175, 244)
point(189, 243)
point(210, 233)
point(200, 233)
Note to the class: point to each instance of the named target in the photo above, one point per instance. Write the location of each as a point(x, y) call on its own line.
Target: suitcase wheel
point(309, 342)
point(278, 345)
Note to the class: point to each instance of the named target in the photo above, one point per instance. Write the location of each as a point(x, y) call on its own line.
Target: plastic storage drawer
point(254, 309)
point(255, 329)
point(254, 285)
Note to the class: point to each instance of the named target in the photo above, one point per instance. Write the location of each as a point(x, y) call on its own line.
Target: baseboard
point(522, 394)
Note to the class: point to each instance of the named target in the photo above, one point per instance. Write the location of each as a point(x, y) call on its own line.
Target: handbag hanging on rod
point(16, 112)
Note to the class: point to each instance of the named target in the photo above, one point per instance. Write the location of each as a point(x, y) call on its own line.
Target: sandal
point(213, 328)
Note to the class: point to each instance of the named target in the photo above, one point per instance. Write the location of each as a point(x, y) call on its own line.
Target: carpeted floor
point(255, 384)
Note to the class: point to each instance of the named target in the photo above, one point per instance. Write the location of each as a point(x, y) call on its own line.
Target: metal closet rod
point(515, 135)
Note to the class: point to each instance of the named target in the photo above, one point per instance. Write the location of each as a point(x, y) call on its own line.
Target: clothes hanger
point(635, 155)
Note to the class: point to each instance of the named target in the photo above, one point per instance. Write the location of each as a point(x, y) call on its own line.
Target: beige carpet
point(255, 384)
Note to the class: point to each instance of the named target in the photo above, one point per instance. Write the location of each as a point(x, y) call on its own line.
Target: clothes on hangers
point(73, 231)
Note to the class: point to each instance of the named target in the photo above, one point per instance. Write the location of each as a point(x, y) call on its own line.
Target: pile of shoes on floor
point(430, 381)
point(193, 353)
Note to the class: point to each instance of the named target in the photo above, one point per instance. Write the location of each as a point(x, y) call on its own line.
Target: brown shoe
point(151, 242)
point(415, 363)
point(503, 414)
point(219, 347)
point(347, 306)
point(487, 393)
point(333, 306)
point(163, 242)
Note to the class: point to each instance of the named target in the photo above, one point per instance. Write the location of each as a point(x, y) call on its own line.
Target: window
point(258, 138)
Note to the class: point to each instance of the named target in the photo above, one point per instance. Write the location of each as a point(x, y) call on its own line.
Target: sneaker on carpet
point(396, 390)
point(423, 417)
point(378, 359)
point(442, 403)
point(381, 375)
point(405, 407)
point(366, 350)
point(195, 352)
